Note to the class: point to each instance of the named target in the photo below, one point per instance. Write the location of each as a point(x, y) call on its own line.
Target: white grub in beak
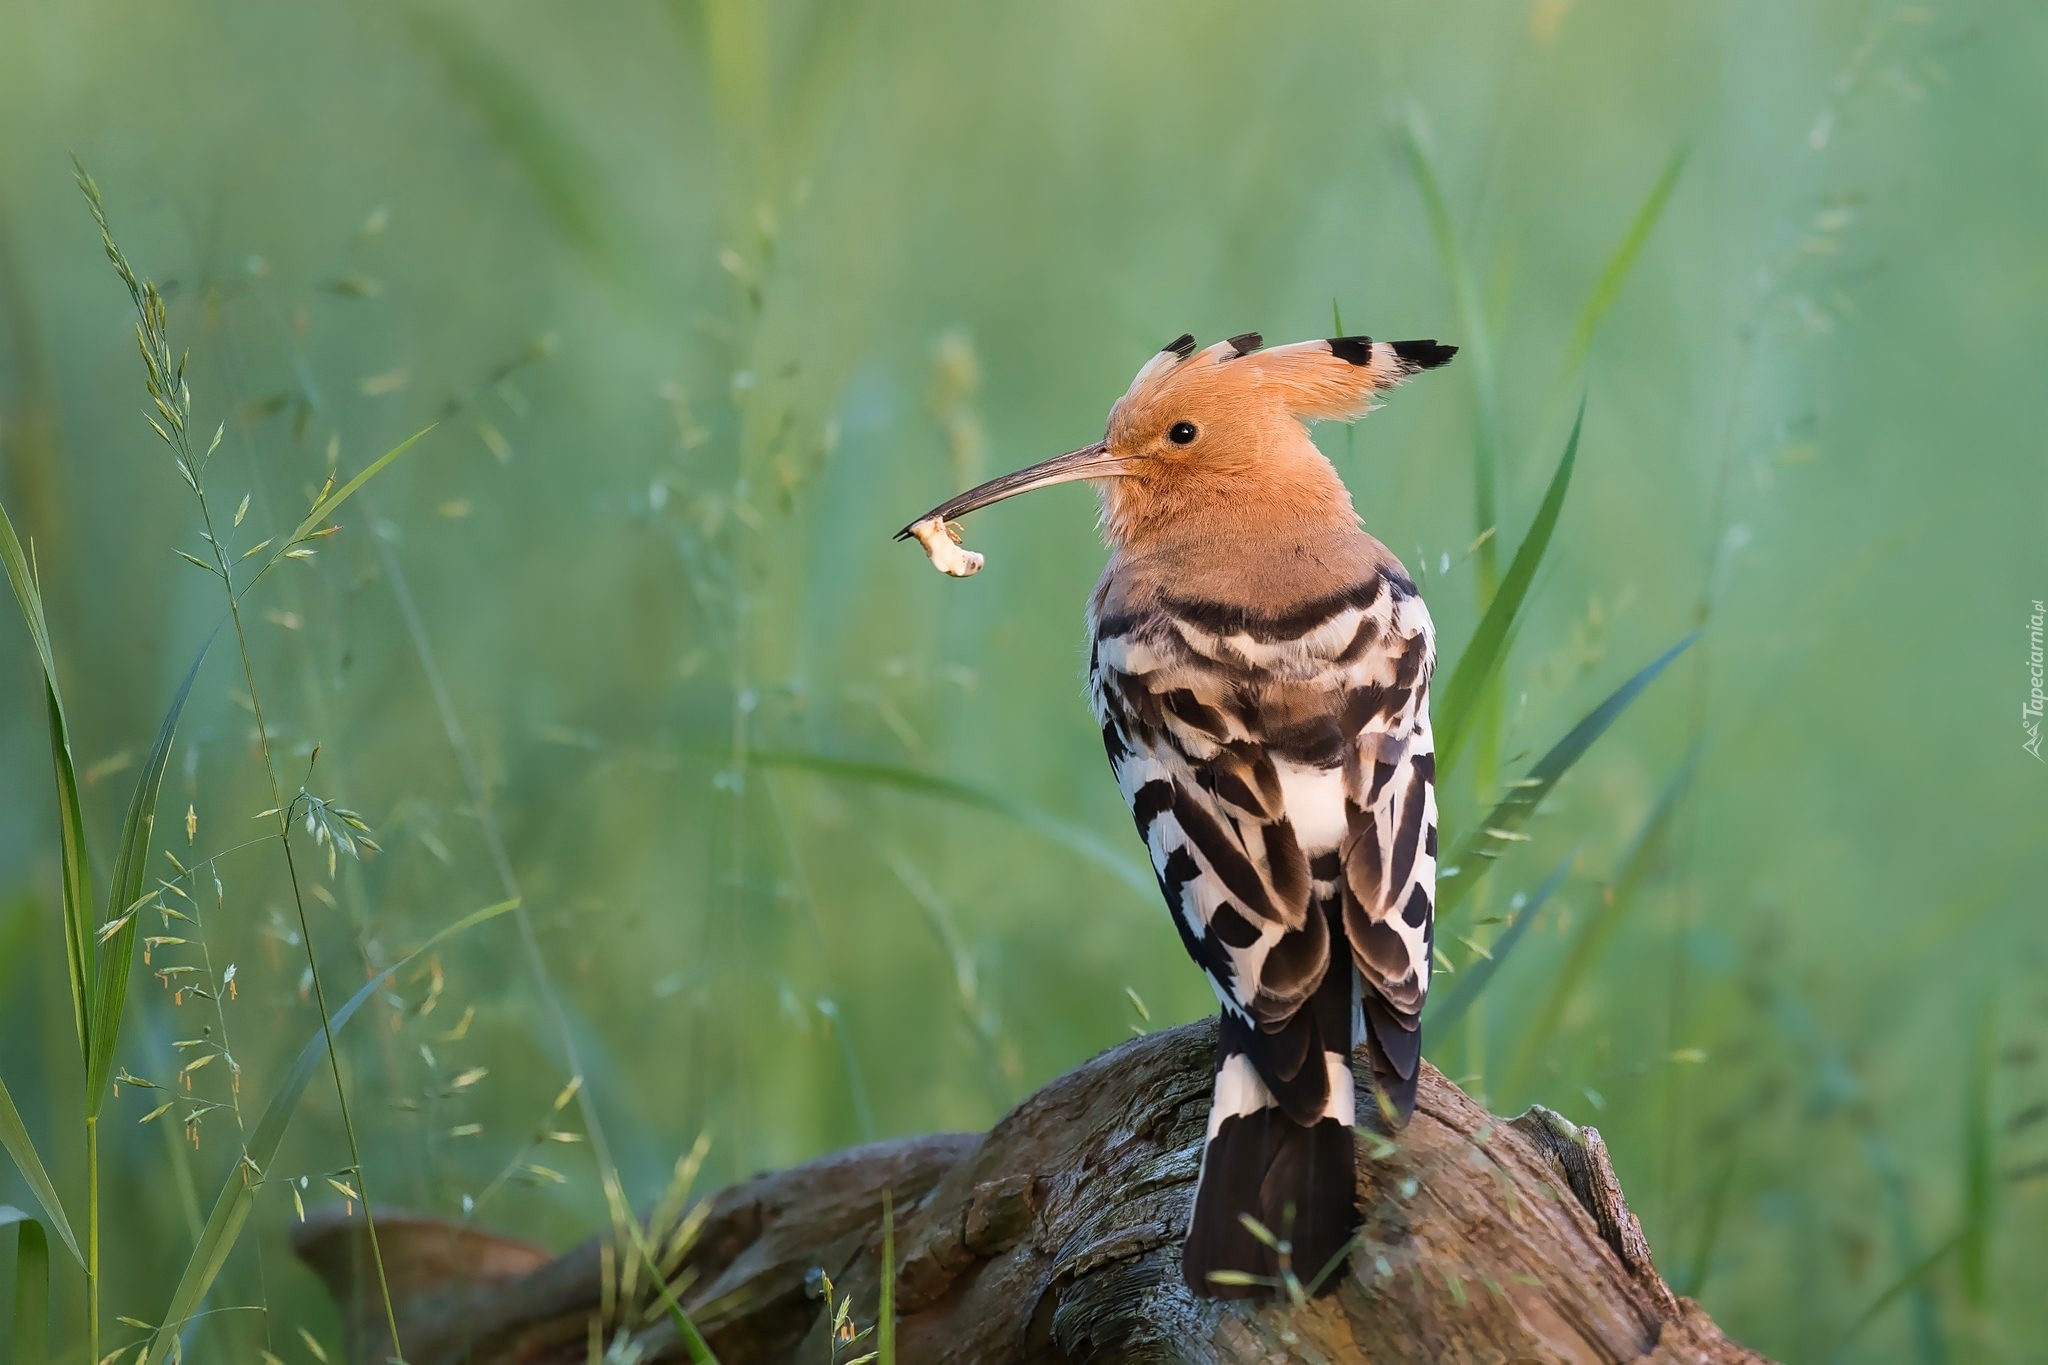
point(941, 541)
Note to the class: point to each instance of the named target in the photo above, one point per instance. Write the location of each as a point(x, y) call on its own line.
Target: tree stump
point(1055, 1237)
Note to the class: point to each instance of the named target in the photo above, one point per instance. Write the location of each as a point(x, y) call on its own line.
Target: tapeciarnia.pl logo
point(2030, 713)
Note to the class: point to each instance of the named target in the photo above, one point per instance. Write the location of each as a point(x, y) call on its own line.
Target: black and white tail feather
point(1280, 769)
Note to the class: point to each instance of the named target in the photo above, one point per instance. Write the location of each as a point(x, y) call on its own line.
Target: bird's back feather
point(1277, 760)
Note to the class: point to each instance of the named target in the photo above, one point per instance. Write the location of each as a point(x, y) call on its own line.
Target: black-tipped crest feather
point(1424, 355)
point(1355, 350)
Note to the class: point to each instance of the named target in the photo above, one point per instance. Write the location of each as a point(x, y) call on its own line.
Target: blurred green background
point(709, 297)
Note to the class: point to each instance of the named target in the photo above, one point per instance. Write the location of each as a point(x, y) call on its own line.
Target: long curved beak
point(1089, 462)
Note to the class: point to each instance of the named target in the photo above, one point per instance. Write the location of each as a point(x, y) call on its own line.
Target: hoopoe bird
point(1260, 668)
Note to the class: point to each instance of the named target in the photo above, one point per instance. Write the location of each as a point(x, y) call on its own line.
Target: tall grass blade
point(1835, 1086)
point(1445, 1010)
point(31, 1286)
point(1980, 1195)
point(1484, 718)
point(559, 170)
point(1496, 832)
point(1075, 838)
point(1476, 342)
point(885, 1308)
point(699, 1350)
point(79, 949)
point(1444, 234)
point(238, 1195)
point(1616, 272)
point(1923, 1305)
point(327, 505)
point(14, 1137)
point(117, 955)
point(1483, 656)
point(1711, 1221)
point(1608, 913)
point(1910, 1280)
point(330, 504)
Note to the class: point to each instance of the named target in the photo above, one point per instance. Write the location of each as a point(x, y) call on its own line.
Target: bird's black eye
point(1181, 433)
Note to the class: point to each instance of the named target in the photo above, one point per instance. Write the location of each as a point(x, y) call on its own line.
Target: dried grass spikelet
point(942, 545)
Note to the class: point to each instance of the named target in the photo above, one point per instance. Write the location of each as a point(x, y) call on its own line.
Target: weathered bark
point(1055, 1238)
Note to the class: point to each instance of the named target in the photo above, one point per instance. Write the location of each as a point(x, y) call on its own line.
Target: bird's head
point(1221, 432)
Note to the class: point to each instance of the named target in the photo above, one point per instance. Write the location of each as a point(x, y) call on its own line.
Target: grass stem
point(172, 400)
point(283, 812)
point(92, 1236)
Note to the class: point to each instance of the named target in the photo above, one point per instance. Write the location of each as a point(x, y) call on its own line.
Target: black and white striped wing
point(1239, 745)
point(1208, 801)
point(1389, 854)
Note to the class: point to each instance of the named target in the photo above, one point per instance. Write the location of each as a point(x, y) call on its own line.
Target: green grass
point(100, 955)
point(1479, 665)
point(231, 1208)
point(31, 1338)
point(687, 306)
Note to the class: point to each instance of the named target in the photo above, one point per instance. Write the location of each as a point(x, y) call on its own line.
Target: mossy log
point(1055, 1237)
